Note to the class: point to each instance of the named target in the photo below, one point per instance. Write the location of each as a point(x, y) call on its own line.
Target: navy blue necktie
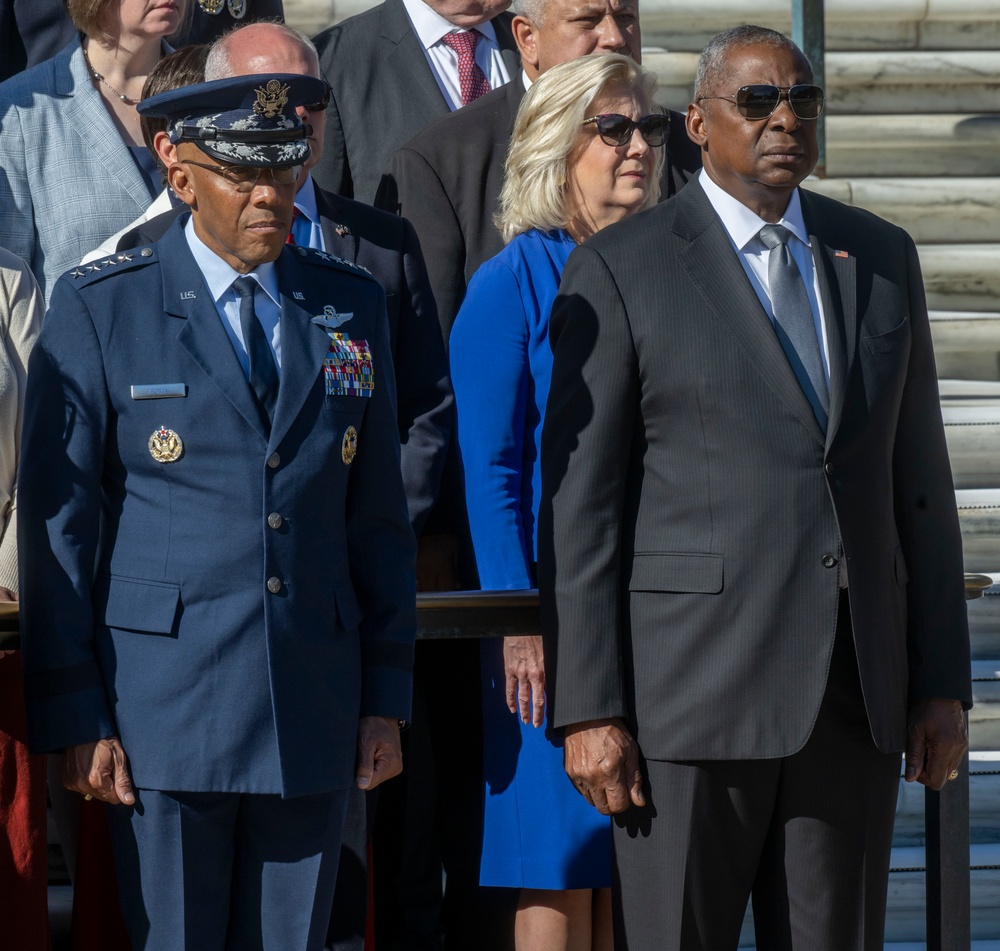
point(263, 372)
point(793, 320)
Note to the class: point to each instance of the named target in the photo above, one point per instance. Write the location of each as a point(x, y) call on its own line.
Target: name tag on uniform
point(347, 367)
point(158, 391)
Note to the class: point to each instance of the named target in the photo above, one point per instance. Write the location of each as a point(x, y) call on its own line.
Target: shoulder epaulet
point(93, 271)
point(314, 256)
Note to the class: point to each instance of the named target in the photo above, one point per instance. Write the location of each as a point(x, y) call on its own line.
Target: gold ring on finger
point(88, 797)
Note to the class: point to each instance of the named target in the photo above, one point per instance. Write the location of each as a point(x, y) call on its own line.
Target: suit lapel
point(303, 347)
point(716, 272)
point(508, 47)
point(838, 291)
point(405, 60)
point(202, 334)
point(85, 111)
point(345, 244)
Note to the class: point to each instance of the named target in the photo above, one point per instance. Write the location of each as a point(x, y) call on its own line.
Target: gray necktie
point(793, 320)
point(263, 372)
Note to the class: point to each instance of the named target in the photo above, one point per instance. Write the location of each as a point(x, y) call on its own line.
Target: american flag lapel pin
point(841, 254)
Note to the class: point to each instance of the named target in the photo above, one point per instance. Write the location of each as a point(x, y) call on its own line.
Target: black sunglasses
point(761, 99)
point(244, 178)
point(322, 104)
point(616, 130)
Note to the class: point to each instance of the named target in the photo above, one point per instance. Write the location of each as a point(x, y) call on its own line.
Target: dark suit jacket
point(386, 246)
point(384, 93)
point(447, 181)
point(694, 516)
point(162, 602)
point(30, 31)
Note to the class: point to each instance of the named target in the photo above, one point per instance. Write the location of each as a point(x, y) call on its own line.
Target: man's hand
point(380, 756)
point(938, 738)
point(524, 672)
point(437, 561)
point(100, 770)
point(602, 760)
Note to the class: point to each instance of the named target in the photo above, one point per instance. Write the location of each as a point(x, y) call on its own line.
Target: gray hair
point(533, 10)
point(217, 66)
point(548, 127)
point(713, 62)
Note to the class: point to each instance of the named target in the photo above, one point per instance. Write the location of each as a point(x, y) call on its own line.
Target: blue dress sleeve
point(490, 374)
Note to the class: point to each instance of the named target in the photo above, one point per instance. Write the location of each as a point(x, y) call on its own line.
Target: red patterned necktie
point(291, 239)
point(472, 82)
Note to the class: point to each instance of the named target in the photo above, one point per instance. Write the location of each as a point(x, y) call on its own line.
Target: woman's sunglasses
point(616, 130)
point(761, 99)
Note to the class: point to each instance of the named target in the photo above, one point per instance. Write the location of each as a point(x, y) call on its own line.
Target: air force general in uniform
point(217, 572)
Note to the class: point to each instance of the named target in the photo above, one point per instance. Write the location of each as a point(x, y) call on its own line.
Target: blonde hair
point(547, 129)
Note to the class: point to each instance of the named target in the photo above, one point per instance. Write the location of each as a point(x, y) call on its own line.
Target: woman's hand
point(524, 670)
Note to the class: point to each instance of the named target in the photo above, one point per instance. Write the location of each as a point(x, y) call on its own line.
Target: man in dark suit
point(392, 71)
point(752, 575)
point(447, 179)
point(218, 582)
point(30, 31)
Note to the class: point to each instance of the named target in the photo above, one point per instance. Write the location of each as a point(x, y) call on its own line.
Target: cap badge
point(165, 445)
point(211, 7)
point(271, 99)
point(349, 447)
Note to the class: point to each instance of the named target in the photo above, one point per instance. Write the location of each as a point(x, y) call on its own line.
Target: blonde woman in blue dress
point(585, 153)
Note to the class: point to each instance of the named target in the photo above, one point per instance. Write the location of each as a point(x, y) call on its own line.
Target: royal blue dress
point(539, 832)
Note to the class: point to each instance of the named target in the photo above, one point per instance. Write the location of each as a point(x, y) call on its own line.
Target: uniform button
point(829, 468)
point(273, 461)
point(829, 561)
point(274, 585)
point(274, 520)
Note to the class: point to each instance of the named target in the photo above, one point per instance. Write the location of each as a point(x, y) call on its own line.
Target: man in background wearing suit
point(447, 179)
point(217, 574)
point(752, 583)
point(387, 246)
point(395, 68)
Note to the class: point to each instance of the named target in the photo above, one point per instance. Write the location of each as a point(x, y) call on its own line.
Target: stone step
point(850, 24)
point(916, 82)
point(979, 517)
point(940, 210)
point(984, 805)
point(959, 331)
point(973, 435)
point(969, 392)
point(984, 717)
point(984, 623)
point(904, 917)
point(961, 277)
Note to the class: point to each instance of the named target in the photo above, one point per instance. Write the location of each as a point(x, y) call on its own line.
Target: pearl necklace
point(101, 79)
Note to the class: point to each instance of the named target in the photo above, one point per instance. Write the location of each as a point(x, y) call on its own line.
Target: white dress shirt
point(430, 26)
point(743, 227)
point(219, 277)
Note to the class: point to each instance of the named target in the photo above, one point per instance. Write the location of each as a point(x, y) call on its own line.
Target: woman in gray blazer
point(73, 168)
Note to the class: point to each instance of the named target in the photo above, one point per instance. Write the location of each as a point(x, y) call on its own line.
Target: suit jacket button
point(829, 468)
point(273, 461)
point(274, 585)
point(274, 520)
point(829, 561)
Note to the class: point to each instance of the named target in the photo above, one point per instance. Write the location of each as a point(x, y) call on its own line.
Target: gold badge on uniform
point(166, 446)
point(271, 99)
point(349, 447)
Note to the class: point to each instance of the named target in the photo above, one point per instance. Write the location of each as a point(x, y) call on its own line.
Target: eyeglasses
point(760, 100)
point(244, 177)
point(616, 130)
point(322, 104)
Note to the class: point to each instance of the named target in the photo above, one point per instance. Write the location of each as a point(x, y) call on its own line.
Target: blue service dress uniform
point(225, 596)
point(538, 831)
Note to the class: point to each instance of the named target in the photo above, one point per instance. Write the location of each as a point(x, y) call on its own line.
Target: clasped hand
point(602, 760)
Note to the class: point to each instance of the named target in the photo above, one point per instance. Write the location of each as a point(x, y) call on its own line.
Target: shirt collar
point(219, 275)
point(430, 26)
point(305, 199)
point(741, 223)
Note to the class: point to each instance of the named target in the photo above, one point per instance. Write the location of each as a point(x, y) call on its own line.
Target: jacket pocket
point(135, 605)
point(676, 571)
point(891, 340)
